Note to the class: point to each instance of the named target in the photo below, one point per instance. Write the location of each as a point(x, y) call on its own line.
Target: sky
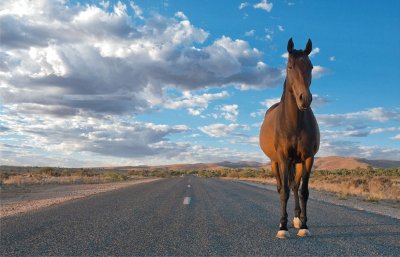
point(147, 82)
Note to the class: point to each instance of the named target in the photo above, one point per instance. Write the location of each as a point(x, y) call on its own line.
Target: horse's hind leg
point(295, 188)
point(304, 193)
point(275, 171)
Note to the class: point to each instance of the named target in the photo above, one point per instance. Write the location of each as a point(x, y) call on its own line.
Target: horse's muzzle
point(304, 101)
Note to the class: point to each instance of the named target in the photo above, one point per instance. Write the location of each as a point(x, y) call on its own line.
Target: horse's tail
point(291, 175)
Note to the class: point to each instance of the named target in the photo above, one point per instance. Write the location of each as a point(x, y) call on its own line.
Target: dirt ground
point(20, 199)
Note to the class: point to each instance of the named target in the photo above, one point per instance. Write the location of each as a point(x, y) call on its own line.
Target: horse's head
point(298, 78)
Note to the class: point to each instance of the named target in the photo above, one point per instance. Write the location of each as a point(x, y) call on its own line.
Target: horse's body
point(290, 137)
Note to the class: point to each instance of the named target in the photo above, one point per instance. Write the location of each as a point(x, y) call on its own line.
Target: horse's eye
point(290, 67)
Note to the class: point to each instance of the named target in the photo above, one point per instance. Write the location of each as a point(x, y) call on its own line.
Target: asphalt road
point(220, 218)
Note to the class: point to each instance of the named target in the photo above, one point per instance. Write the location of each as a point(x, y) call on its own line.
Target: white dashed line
point(186, 200)
point(189, 186)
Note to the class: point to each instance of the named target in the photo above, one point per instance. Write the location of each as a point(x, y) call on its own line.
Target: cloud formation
point(350, 148)
point(86, 60)
point(110, 136)
point(378, 114)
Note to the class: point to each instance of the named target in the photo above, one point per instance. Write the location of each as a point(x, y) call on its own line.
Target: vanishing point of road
point(192, 216)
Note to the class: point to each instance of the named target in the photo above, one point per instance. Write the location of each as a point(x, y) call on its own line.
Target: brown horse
point(289, 136)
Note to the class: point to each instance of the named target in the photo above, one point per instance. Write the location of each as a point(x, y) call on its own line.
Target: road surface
point(192, 216)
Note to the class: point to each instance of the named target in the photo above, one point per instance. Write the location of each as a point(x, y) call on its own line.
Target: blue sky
point(94, 83)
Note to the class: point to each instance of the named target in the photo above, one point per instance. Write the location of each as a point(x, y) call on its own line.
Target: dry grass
point(35, 179)
point(371, 188)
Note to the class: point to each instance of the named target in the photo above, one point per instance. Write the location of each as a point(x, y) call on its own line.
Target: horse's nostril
point(301, 97)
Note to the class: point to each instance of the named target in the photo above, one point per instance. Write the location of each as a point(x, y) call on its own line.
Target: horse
point(290, 137)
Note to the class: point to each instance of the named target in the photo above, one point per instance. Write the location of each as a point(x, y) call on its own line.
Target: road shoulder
point(382, 207)
point(27, 199)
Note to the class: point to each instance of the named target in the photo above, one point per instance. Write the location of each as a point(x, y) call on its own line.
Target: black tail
point(291, 175)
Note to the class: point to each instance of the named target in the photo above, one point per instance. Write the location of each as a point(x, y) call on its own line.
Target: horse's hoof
point(283, 234)
point(296, 222)
point(304, 233)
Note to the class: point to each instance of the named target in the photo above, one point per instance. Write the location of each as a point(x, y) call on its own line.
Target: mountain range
point(321, 163)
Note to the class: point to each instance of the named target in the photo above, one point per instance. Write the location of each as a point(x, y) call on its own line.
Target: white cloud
point(270, 101)
point(396, 137)
point(104, 4)
point(319, 101)
point(195, 112)
point(222, 130)
point(381, 130)
point(350, 148)
point(264, 5)
point(329, 134)
point(243, 5)
point(230, 112)
point(251, 140)
point(379, 114)
point(181, 15)
point(250, 33)
point(314, 52)
point(136, 10)
point(199, 153)
point(280, 27)
point(354, 131)
point(189, 100)
point(332, 58)
point(259, 112)
point(319, 71)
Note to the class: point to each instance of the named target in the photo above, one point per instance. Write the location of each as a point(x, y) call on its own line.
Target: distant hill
point(197, 166)
point(381, 163)
point(337, 162)
point(322, 163)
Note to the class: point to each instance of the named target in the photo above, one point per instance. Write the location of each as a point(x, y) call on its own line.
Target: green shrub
point(115, 176)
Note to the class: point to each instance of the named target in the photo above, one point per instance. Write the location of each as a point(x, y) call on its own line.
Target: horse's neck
point(290, 111)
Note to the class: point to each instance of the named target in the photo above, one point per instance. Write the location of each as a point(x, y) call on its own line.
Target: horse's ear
point(308, 48)
point(290, 45)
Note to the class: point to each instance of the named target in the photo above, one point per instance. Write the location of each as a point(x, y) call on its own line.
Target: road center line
point(186, 200)
point(189, 186)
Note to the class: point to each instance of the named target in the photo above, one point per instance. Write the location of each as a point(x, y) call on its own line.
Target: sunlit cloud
point(264, 5)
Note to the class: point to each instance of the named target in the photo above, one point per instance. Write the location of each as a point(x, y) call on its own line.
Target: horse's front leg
point(295, 188)
point(304, 193)
point(284, 196)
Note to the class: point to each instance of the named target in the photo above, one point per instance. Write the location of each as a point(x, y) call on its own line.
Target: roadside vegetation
point(49, 175)
point(372, 184)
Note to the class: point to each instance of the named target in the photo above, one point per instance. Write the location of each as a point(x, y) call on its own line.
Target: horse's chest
point(296, 147)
